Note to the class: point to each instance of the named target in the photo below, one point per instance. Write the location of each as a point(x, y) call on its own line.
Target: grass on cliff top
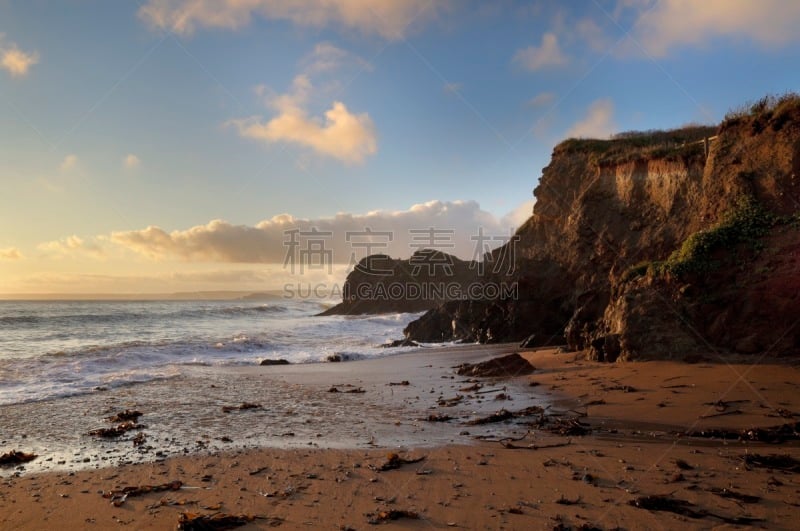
point(771, 109)
point(744, 225)
point(637, 145)
point(680, 144)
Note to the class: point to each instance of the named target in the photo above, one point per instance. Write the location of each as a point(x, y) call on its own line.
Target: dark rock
point(337, 357)
point(400, 343)
point(381, 284)
point(504, 366)
point(274, 362)
point(15, 457)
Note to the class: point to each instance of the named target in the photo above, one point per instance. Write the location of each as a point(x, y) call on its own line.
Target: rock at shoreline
point(381, 284)
point(504, 366)
point(15, 457)
point(274, 362)
point(337, 357)
point(400, 343)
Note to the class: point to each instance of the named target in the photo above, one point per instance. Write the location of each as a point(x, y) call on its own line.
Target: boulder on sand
point(509, 366)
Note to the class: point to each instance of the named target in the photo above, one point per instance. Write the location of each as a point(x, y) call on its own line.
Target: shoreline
point(185, 414)
point(539, 481)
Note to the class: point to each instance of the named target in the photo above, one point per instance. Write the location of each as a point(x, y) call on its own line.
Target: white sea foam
point(53, 349)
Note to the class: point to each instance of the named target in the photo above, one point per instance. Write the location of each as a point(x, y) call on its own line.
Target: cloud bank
point(10, 253)
point(448, 226)
point(674, 23)
point(389, 19)
point(70, 246)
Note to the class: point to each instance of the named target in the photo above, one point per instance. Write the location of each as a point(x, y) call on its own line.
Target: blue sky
point(127, 128)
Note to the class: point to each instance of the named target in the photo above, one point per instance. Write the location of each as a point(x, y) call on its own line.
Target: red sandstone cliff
point(649, 246)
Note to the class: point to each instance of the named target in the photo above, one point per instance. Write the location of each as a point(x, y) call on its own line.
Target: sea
point(54, 349)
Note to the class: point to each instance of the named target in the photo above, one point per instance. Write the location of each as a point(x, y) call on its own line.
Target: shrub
point(746, 224)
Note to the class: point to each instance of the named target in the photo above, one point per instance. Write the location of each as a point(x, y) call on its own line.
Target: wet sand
point(538, 481)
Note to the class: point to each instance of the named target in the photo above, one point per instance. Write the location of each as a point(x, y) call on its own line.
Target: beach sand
point(540, 480)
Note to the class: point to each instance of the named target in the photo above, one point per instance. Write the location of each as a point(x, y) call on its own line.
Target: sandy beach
point(623, 440)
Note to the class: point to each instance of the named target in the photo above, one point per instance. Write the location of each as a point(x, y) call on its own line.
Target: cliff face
point(643, 247)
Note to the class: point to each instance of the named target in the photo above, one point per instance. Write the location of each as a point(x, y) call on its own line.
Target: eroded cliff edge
point(656, 245)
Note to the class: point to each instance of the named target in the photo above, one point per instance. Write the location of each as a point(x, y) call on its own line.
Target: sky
point(181, 145)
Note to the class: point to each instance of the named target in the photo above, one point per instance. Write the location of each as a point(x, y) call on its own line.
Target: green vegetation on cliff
point(745, 225)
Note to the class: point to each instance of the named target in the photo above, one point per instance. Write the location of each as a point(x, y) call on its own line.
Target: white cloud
point(15, 61)
point(266, 242)
point(341, 134)
point(131, 161)
point(10, 253)
point(70, 162)
point(70, 246)
point(388, 18)
point(673, 23)
point(537, 57)
point(598, 122)
point(542, 99)
point(519, 215)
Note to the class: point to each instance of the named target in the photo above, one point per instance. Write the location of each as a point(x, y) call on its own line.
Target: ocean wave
point(116, 315)
point(19, 319)
point(39, 391)
point(75, 348)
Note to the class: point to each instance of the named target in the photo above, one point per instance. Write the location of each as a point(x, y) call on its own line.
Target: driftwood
point(722, 414)
point(772, 434)
point(394, 461)
point(738, 496)
point(686, 508)
point(777, 462)
point(117, 430)
point(218, 521)
point(438, 418)
point(450, 402)
point(128, 414)
point(356, 390)
point(118, 496)
point(494, 417)
point(241, 407)
point(534, 446)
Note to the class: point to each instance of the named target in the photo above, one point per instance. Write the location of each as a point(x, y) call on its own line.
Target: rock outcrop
point(654, 245)
point(381, 284)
